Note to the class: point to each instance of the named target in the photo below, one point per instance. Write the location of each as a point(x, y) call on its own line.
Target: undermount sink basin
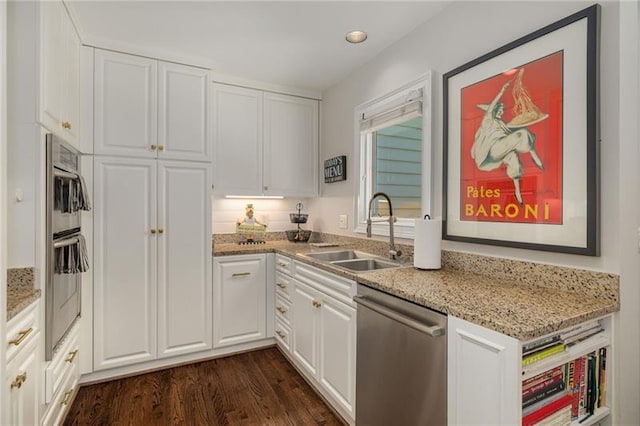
point(363, 265)
point(332, 256)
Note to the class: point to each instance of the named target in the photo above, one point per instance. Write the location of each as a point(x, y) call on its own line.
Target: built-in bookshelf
point(565, 376)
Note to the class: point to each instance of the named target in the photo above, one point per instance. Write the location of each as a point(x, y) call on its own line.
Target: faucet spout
point(393, 253)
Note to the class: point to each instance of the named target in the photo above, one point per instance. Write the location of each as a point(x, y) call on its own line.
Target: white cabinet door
point(304, 327)
point(60, 79)
point(183, 126)
point(52, 66)
point(23, 385)
point(337, 361)
point(240, 291)
point(483, 375)
point(290, 145)
point(125, 298)
point(71, 82)
point(184, 258)
point(125, 105)
point(237, 124)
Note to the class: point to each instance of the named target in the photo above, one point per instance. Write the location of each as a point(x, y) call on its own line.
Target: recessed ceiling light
point(356, 36)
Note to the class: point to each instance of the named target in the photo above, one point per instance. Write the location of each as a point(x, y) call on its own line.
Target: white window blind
point(396, 115)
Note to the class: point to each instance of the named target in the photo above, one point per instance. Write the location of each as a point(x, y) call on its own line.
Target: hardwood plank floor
point(253, 388)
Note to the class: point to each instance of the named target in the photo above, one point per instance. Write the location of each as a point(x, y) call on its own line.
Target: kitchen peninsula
point(523, 300)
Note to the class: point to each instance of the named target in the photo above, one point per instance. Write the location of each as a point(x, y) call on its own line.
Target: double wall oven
point(66, 257)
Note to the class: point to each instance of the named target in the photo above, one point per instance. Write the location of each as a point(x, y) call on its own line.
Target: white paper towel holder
point(434, 262)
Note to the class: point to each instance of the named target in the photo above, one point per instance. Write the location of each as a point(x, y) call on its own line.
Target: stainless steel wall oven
point(66, 256)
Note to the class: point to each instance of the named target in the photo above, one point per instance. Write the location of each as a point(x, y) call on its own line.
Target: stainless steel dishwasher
point(401, 369)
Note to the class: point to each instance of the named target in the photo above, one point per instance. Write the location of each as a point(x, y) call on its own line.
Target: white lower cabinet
point(483, 375)
point(323, 334)
point(239, 299)
point(23, 387)
point(152, 260)
point(23, 373)
point(61, 378)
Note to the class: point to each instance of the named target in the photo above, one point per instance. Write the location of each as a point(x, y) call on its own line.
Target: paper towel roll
point(426, 243)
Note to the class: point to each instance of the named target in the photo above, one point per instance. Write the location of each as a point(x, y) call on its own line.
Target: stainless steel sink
point(363, 265)
point(353, 260)
point(332, 256)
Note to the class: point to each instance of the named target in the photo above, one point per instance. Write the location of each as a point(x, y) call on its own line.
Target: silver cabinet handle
point(281, 285)
point(281, 310)
point(241, 274)
point(434, 330)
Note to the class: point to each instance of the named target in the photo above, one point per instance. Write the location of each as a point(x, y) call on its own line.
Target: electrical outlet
point(342, 221)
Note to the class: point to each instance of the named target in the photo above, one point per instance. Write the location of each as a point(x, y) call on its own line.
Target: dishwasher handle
point(434, 330)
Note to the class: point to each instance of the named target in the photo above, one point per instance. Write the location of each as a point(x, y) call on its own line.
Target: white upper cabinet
point(125, 105)
point(183, 131)
point(290, 145)
point(148, 108)
point(237, 123)
point(60, 77)
point(264, 143)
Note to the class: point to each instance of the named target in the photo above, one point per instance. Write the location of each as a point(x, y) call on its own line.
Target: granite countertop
point(520, 308)
point(20, 290)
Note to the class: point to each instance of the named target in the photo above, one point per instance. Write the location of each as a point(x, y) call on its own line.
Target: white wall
point(463, 32)
point(23, 134)
point(3, 178)
point(627, 368)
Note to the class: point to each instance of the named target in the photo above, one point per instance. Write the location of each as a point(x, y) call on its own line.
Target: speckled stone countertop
point(20, 290)
point(521, 299)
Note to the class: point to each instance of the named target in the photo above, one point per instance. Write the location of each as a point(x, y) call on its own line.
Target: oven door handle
point(434, 330)
point(61, 173)
point(66, 242)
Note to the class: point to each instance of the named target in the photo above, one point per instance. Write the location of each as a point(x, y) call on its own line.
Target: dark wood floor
point(254, 388)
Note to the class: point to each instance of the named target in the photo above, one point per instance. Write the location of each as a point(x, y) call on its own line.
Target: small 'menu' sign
point(335, 169)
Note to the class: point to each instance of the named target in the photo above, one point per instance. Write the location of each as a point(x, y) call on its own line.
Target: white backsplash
point(274, 213)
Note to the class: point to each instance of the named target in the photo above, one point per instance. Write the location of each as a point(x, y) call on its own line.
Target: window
point(394, 148)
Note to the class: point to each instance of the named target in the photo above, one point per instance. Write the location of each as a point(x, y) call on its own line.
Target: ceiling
point(291, 43)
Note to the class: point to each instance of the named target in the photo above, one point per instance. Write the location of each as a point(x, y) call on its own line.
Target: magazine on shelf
point(579, 329)
point(540, 355)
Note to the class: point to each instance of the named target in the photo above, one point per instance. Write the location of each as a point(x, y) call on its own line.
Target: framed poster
point(521, 137)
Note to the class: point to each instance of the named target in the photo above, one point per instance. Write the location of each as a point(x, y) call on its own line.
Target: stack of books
point(586, 381)
point(557, 343)
point(543, 386)
point(580, 333)
point(555, 412)
point(541, 349)
point(568, 392)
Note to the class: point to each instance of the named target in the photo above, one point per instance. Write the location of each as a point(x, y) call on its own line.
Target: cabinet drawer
point(21, 330)
point(284, 264)
point(283, 335)
point(283, 285)
point(283, 308)
point(65, 363)
point(61, 401)
point(333, 285)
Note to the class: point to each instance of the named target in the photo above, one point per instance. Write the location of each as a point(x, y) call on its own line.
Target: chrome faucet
point(393, 253)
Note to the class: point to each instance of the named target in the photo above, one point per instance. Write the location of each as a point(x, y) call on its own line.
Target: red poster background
point(488, 196)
